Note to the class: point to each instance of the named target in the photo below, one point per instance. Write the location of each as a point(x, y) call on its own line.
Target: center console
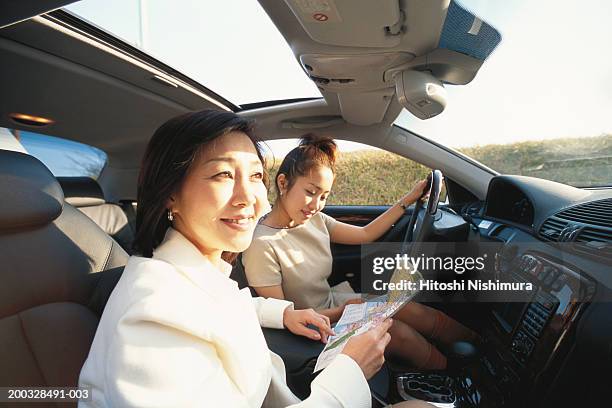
point(524, 342)
point(437, 389)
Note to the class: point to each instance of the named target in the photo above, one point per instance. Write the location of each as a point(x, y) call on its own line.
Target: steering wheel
point(420, 226)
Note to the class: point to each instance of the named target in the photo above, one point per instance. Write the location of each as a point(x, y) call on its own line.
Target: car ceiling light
point(30, 120)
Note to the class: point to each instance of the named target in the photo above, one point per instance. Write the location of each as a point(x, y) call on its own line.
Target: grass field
point(579, 162)
point(375, 177)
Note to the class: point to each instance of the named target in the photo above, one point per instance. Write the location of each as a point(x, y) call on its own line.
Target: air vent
point(595, 236)
point(588, 226)
point(594, 213)
point(595, 241)
point(551, 229)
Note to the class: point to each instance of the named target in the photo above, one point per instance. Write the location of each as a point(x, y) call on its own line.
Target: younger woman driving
point(290, 256)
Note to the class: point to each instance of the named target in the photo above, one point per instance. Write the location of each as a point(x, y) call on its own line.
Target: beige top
point(300, 260)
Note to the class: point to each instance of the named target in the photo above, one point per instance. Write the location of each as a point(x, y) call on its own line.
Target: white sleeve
point(151, 364)
point(342, 384)
point(270, 311)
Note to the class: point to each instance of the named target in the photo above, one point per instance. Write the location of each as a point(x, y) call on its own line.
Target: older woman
point(176, 330)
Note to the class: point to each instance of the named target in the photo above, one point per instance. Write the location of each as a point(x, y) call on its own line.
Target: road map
point(360, 317)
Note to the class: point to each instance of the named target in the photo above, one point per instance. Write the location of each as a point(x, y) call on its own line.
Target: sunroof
point(231, 47)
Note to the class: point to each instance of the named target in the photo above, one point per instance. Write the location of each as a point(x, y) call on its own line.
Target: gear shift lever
point(441, 390)
point(461, 354)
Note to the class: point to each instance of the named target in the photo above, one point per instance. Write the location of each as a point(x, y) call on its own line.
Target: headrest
point(29, 194)
point(81, 191)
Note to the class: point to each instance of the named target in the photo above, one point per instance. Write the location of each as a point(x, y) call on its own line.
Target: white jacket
point(178, 332)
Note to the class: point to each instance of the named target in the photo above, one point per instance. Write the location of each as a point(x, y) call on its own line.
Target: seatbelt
point(130, 212)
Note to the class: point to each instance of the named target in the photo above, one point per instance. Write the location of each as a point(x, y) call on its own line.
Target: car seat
point(86, 194)
point(57, 269)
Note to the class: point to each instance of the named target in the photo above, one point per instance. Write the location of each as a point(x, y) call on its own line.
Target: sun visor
point(440, 40)
point(354, 23)
point(467, 34)
point(465, 43)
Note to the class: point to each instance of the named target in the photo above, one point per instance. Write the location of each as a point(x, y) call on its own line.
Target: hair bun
point(314, 145)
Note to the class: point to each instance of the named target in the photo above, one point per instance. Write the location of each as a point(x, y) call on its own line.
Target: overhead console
point(356, 81)
point(330, 21)
point(363, 54)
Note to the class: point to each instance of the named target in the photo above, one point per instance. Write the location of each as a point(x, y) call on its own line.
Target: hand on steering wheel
point(420, 191)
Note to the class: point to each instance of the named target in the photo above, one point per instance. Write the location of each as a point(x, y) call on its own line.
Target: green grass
point(579, 162)
point(375, 177)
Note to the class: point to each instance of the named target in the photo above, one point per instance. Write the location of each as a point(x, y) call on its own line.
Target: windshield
point(230, 46)
point(540, 105)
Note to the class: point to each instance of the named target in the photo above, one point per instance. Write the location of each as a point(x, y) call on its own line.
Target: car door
point(368, 182)
point(347, 258)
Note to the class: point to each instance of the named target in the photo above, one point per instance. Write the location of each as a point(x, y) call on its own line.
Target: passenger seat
point(86, 194)
point(57, 269)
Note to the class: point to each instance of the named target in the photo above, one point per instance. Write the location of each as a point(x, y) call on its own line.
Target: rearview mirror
point(421, 93)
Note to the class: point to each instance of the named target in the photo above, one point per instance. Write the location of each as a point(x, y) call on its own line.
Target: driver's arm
point(343, 233)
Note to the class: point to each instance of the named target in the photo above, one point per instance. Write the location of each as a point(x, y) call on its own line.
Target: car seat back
point(57, 269)
point(86, 194)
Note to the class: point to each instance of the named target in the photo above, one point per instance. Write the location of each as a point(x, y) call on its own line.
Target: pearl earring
point(170, 216)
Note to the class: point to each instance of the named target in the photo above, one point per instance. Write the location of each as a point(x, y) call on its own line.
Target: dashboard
point(551, 348)
point(508, 202)
point(534, 349)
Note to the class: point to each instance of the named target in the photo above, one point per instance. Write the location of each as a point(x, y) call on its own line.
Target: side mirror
point(421, 93)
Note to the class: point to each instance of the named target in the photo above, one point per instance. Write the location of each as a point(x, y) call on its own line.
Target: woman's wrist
point(405, 202)
point(286, 312)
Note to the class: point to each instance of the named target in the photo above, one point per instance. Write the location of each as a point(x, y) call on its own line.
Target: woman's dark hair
point(173, 148)
point(312, 151)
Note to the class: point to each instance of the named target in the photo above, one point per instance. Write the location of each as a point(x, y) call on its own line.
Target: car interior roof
point(94, 94)
point(102, 95)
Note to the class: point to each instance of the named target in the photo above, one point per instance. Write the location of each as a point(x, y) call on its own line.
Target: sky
point(64, 157)
point(550, 77)
point(555, 67)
